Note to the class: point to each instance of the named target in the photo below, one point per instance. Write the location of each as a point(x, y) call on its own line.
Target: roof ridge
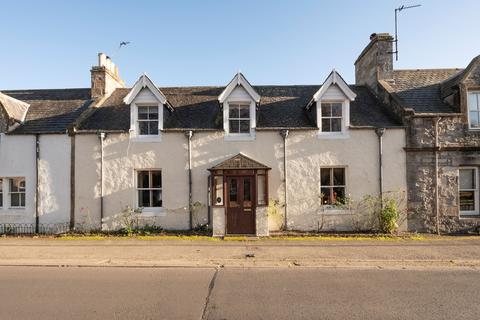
point(44, 89)
point(431, 69)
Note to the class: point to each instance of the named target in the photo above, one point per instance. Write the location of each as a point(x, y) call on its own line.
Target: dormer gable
point(239, 101)
point(146, 110)
point(14, 110)
point(332, 106)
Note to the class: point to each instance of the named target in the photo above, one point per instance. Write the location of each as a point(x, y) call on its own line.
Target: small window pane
point(156, 179)
point(474, 121)
point(325, 196)
point(153, 127)
point(467, 200)
point(233, 111)
point(234, 126)
point(153, 113)
point(336, 125)
point(336, 109)
point(143, 127)
point(22, 199)
point(245, 111)
point(326, 125)
point(144, 198)
point(338, 195)
point(244, 126)
point(142, 113)
point(473, 101)
point(232, 192)
point(156, 198)
point(218, 190)
point(15, 199)
point(339, 176)
point(261, 186)
point(467, 179)
point(325, 176)
point(142, 181)
point(247, 192)
point(326, 110)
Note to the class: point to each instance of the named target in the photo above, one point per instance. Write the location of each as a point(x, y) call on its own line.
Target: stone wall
point(3, 120)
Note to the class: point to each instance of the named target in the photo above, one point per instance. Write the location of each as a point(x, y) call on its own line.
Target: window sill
point(239, 137)
point(13, 208)
point(333, 135)
point(150, 138)
point(469, 215)
point(153, 212)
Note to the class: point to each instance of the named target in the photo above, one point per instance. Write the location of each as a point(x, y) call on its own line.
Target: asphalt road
point(233, 293)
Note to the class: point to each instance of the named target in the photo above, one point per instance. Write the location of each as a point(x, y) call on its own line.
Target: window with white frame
point(331, 116)
point(17, 192)
point(468, 191)
point(239, 118)
point(474, 110)
point(1, 193)
point(148, 120)
point(332, 186)
point(149, 188)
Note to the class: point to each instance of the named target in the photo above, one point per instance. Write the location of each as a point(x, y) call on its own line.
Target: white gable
point(239, 81)
point(239, 94)
point(144, 83)
point(145, 95)
point(334, 93)
point(334, 79)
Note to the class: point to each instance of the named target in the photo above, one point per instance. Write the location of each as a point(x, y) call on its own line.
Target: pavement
point(453, 252)
point(237, 293)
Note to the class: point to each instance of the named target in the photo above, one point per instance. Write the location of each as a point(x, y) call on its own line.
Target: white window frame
point(148, 211)
point(134, 122)
point(345, 123)
point(475, 212)
point(226, 122)
point(477, 93)
point(155, 106)
point(10, 193)
point(332, 208)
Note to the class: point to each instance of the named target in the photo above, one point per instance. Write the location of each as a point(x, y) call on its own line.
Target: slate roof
point(421, 89)
point(51, 110)
point(198, 108)
point(239, 161)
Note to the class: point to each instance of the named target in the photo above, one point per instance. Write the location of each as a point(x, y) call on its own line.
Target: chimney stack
point(105, 78)
point(375, 62)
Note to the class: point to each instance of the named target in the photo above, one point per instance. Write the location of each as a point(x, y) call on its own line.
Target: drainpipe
point(188, 135)
point(72, 180)
point(101, 136)
point(380, 132)
point(436, 149)
point(37, 189)
point(284, 134)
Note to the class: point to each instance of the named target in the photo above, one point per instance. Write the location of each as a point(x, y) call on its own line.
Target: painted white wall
point(17, 159)
point(54, 179)
point(306, 154)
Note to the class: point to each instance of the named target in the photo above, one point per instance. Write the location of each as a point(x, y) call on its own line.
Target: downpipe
point(380, 132)
point(284, 134)
point(189, 135)
point(437, 148)
point(37, 187)
point(101, 137)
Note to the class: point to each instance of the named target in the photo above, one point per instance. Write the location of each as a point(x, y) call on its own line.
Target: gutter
point(189, 135)
point(37, 203)
point(380, 132)
point(284, 134)
point(101, 137)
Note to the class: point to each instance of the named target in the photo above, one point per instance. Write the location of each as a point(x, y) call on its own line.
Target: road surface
point(237, 293)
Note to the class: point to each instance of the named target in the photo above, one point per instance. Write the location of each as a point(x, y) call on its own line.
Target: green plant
point(389, 216)
point(130, 219)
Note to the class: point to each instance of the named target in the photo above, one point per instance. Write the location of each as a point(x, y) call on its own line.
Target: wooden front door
point(240, 205)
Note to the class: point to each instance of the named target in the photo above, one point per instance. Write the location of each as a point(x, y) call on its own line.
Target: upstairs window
point(331, 117)
point(148, 120)
point(149, 188)
point(474, 110)
point(332, 186)
point(17, 192)
point(468, 191)
point(239, 118)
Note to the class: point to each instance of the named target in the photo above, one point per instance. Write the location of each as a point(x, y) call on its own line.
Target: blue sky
point(53, 44)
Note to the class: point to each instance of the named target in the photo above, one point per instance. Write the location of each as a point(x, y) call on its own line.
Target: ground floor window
point(332, 186)
point(149, 188)
point(468, 191)
point(17, 192)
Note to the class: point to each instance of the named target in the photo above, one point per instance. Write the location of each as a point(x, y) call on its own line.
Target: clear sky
point(53, 44)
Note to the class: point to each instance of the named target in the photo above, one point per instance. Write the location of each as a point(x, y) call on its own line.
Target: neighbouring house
point(441, 111)
point(240, 158)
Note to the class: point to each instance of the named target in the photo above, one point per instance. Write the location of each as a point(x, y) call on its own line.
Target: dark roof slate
point(421, 89)
point(198, 108)
point(51, 110)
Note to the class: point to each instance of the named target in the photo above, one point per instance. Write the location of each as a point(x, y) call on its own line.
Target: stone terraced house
point(242, 158)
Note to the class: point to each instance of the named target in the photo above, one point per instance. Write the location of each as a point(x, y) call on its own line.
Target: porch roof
point(240, 161)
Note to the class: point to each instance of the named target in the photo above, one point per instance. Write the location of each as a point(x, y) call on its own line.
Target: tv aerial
point(398, 10)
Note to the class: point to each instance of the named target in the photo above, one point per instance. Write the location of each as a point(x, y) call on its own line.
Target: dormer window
point(474, 110)
point(239, 117)
point(147, 120)
point(331, 117)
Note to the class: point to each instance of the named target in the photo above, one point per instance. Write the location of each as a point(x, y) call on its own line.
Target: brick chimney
point(105, 78)
point(376, 61)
